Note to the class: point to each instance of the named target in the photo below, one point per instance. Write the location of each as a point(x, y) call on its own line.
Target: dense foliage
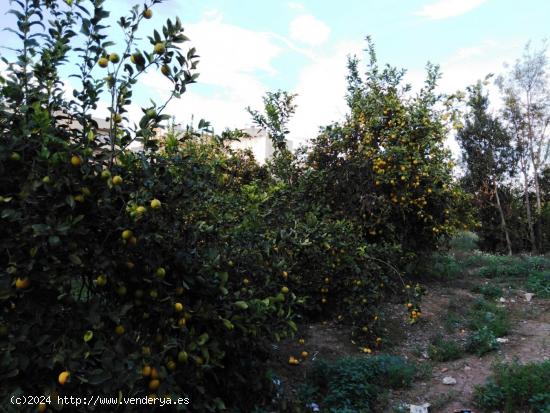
point(357, 384)
point(170, 270)
point(505, 156)
point(514, 387)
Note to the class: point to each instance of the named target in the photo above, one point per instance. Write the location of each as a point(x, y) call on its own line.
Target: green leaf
point(241, 304)
point(75, 259)
point(88, 335)
point(293, 325)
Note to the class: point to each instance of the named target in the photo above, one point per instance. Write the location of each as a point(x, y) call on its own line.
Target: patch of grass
point(464, 241)
point(481, 341)
point(444, 350)
point(442, 267)
point(357, 384)
point(441, 400)
point(516, 387)
point(457, 311)
point(487, 314)
point(500, 266)
point(453, 321)
point(539, 283)
point(487, 322)
point(489, 291)
point(424, 370)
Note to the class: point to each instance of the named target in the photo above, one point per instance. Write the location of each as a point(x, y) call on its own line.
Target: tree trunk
point(538, 204)
point(529, 217)
point(503, 221)
point(538, 222)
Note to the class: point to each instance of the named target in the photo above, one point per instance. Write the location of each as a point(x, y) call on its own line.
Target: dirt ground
point(528, 340)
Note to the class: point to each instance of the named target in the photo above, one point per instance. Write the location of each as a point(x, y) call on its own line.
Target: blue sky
point(248, 47)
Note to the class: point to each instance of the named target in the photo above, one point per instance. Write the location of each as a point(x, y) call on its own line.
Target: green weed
point(539, 283)
point(444, 350)
point(357, 384)
point(487, 322)
point(517, 387)
point(489, 291)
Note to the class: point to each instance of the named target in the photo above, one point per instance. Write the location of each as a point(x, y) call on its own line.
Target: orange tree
point(386, 167)
point(116, 275)
point(322, 255)
point(383, 180)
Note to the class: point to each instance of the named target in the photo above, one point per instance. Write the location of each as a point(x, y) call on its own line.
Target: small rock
point(424, 408)
point(502, 299)
point(512, 300)
point(502, 340)
point(444, 369)
point(529, 296)
point(314, 407)
point(467, 368)
point(449, 380)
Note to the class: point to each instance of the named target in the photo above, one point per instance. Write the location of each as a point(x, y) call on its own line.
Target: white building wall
point(258, 142)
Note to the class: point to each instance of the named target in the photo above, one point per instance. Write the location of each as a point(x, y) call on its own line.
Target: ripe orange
point(127, 234)
point(63, 377)
point(22, 283)
point(146, 371)
point(147, 13)
point(178, 307)
point(154, 384)
point(119, 330)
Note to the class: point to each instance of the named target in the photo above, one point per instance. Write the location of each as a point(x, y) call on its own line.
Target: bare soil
point(528, 340)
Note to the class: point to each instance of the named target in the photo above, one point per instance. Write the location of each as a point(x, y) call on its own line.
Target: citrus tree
point(116, 276)
point(386, 167)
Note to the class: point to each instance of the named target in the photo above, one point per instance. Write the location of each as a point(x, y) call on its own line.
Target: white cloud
point(443, 9)
point(465, 67)
point(309, 30)
point(321, 92)
point(468, 65)
point(233, 61)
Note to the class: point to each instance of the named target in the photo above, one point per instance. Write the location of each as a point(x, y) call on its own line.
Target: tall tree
point(525, 87)
point(279, 107)
point(486, 152)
